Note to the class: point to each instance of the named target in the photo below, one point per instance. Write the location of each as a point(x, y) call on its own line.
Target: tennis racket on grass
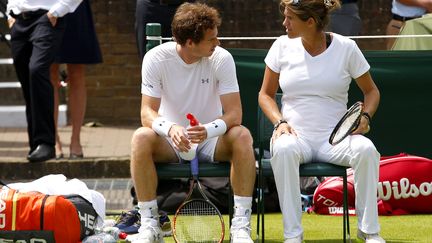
point(347, 124)
point(197, 219)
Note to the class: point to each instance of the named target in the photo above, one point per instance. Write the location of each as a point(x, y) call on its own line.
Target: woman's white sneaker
point(370, 238)
point(298, 239)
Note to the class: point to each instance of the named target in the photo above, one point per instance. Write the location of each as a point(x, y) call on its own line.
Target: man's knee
point(240, 135)
point(143, 138)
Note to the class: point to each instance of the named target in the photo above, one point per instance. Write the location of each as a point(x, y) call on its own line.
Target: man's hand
point(197, 134)
point(11, 22)
point(52, 19)
point(179, 138)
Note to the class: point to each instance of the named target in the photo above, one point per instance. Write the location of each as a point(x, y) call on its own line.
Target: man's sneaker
point(370, 238)
point(129, 222)
point(165, 224)
point(149, 232)
point(240, 227)
point(298, 239)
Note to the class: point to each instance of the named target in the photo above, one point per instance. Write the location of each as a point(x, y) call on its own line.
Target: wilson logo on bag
point(37, 217)
point(405, 185)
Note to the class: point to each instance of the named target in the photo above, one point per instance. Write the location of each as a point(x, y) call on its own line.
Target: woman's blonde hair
point(316, 9)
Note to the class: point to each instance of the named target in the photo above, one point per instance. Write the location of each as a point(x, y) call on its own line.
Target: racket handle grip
point(194, 167)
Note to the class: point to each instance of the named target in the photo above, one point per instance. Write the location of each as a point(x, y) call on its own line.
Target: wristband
point(276, 126)
point(162, 126)
point(215, 128)
point(368, 117)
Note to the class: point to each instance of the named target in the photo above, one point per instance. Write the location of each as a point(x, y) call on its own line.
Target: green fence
point(402, 122)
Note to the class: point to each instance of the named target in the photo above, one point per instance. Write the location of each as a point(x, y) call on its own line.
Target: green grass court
point(328, 229)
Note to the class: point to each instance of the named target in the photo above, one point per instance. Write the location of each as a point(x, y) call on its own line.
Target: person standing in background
point(403, 10)
point(37, 29)
point(346, 20)
point(154, 11)
point(80, 46)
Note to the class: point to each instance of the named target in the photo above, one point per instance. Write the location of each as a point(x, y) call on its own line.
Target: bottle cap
point(192, 120)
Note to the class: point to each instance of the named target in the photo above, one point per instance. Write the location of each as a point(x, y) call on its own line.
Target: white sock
point(148, 209)
point(242, 202)
point(242, 205)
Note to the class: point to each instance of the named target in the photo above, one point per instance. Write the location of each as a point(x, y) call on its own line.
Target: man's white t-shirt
point(188, 88)
point(315, 89)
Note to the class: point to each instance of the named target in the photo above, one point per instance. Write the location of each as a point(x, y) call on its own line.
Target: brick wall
point(114, 86)
point(375, 16)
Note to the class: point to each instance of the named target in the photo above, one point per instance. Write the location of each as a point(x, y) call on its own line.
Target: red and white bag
point(404, 187)
point(38, 217)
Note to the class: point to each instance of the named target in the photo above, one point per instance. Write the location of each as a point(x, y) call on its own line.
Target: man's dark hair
point(191, 20)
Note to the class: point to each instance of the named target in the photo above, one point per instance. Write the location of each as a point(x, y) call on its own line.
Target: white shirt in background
point(60, 7)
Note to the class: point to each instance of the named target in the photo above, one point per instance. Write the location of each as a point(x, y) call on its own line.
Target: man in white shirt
point(36, 32)
point(192, 75)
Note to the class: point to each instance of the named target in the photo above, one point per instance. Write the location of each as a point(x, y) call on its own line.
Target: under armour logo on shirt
point(205, 81)
point(215, 125)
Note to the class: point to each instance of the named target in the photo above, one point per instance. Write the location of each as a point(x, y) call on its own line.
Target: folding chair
point(265, 131)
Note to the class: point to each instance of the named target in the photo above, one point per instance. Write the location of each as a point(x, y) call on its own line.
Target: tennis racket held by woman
point(197, 219)
point(347, 124)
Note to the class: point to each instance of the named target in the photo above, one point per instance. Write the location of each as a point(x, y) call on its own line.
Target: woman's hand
point(283, 128)
point(363, 127)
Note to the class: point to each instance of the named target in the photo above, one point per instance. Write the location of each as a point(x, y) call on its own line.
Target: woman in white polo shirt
point(314, 70)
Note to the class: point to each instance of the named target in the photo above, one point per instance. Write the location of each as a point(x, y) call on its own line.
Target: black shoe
point(42, 153)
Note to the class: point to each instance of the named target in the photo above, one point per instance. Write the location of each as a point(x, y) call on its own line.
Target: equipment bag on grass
point(404, 187)
point(38, 217)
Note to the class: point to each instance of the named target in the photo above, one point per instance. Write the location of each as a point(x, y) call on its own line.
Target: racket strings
point(349, 124)
point(198, 221)
point(346, 126)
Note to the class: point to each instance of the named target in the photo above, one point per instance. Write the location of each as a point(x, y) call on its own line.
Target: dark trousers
point(152, 11)
point(34, 43)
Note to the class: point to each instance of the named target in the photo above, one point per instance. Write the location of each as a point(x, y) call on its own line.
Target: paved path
point(106, 150)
